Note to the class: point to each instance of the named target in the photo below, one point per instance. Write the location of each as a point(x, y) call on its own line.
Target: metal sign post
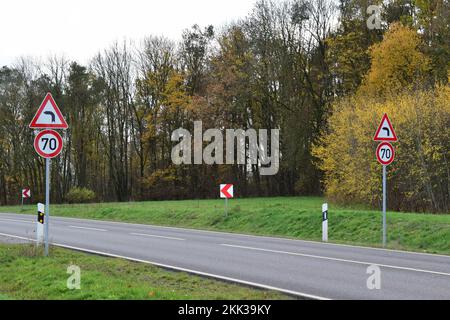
point(385, 155)
point(48, 144)
point(26, 194)
point(226, 192)
point(226, 207)
point(384, 205)
point(47, 201)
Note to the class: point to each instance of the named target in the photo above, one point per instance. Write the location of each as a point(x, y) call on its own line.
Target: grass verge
point(26, 274)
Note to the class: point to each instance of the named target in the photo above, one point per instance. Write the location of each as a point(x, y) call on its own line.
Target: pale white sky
point(81, 28)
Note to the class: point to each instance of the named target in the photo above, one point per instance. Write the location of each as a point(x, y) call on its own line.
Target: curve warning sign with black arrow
point(48, 115)
point(385, 131)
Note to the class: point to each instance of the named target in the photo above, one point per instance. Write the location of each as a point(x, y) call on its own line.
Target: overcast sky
point(80, 28)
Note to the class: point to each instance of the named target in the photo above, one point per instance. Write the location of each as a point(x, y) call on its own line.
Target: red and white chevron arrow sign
point(26, 193)
point(226, 191)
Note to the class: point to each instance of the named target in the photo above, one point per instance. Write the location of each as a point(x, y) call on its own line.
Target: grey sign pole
point(384, 206)
point(226, 207)
point(47, 202)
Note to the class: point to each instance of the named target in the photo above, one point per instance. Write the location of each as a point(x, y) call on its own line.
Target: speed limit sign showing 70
point(48, 143)
point(385, 153)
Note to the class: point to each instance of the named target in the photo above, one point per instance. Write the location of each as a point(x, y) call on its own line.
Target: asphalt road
point(309, 269)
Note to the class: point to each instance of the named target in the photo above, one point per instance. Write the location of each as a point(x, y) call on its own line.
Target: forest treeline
point(288, 65)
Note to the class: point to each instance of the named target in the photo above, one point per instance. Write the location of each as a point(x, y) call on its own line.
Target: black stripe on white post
point(325, 222)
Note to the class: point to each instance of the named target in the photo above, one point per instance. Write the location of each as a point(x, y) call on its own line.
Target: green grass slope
point(26, 274)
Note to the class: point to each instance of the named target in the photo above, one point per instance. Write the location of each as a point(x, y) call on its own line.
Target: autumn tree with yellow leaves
point(419, 178)
point(396, 63)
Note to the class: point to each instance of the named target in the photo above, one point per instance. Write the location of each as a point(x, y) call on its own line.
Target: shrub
point(80, 195)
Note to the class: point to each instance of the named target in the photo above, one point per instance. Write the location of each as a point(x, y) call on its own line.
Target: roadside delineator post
point(325, 222)
point(40, 223)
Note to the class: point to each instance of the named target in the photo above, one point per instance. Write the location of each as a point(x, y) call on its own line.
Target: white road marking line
point(155, 236)
point(200, 273)
point(13, 220)
point(338, 259)
point(17, 237)
point(86, 228)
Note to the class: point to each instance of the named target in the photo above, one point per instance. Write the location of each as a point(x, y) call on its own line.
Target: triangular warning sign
point(385, 131)
point(48, 115)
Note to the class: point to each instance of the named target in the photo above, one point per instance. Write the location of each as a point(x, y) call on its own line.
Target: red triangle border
point(34, 125)
point(394, 138)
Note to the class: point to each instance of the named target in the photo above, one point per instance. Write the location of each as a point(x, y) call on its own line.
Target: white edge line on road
point(86, 228)
point(17, 237)
point(155, 236)
point(200, 273)
point(250, 235)
point(337, 259)
point(13, 220)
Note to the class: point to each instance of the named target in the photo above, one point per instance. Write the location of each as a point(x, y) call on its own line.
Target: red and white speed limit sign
point(385, 153)
point(48, 143)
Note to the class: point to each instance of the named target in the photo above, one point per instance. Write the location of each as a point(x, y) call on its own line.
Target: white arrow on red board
point(226, 190)
point(26, 193)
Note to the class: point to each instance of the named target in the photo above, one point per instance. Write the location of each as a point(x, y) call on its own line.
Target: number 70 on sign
point(385, 153)
point(48, 143)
